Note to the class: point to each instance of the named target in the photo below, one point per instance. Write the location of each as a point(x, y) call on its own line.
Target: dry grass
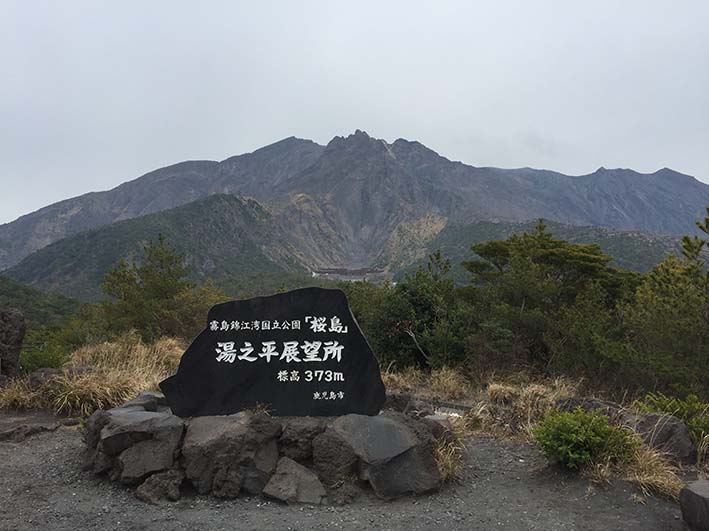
point(515, 408)
point(17, 394)
point(501, 393)
point(450, 457)
point(703, 451)
point(653, 471)
point(409, 380)
point(440, 384)
point(447, 384)
point(120, 370)
point(450, 451)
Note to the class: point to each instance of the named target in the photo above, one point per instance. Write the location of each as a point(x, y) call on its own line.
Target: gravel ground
point(506, 486)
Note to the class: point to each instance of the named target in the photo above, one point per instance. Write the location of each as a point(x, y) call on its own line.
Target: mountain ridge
point(355, 196)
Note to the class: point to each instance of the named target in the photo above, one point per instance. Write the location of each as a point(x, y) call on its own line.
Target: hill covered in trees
point(41, 308)
point(244, 248)
point(231, 240)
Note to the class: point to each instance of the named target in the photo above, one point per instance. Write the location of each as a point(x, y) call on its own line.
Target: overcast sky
point(96, 93)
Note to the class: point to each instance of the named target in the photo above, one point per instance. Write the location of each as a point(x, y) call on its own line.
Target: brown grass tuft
point(447, 384)
point(653, 471)
point(450, 457)
point(502, 394)
point(450, 450)
point(17, 394)
point(703, 451)
point(441, 384)
point(407, 381)
point(515, 408)
point(120, 370)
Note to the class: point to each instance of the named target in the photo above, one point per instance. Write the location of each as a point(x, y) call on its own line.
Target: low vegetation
point(115, 373)
point(585, 441)
point(577, 438)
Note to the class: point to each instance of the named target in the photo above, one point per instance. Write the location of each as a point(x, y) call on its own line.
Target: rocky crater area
point(292, 459)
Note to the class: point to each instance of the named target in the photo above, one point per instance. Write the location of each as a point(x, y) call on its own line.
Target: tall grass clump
point(99, 376)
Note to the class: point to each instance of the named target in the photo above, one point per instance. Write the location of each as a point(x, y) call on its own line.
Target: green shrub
point(32, 359)
point(691, 410)
point(577, 438)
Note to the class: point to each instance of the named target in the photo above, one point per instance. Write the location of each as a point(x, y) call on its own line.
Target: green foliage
point(577, 438)
point(154, 297)
point(39, 308)
point(545, 304)
point(50, 346)
point(691, 410)
point(531, 281)
point(632, 251)
point(419, 320)
point(667, 324)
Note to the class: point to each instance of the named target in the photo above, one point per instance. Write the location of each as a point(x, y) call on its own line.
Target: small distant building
point(349, 274)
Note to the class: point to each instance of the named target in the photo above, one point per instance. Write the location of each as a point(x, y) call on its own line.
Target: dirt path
point(506, 486)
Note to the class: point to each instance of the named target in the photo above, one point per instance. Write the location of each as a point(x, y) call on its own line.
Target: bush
point(578, 438)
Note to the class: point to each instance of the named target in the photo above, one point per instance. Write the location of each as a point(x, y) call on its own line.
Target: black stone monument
point(297, 353)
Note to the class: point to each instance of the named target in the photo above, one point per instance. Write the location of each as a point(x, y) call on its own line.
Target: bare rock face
point(224, 454)
point(12, 332)
point(664, 432)
point(293, 483)
point(694, 501)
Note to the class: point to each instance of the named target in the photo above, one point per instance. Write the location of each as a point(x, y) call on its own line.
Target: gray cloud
point(96, 93)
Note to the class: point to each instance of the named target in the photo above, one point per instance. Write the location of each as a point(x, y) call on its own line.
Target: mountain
point(632, 250)
point(360, 201)
point(40, 308)
point(155, 191)
point(240, 245)
point(224, 237)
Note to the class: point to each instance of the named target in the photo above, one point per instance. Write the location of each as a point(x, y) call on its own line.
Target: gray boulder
point(394, 453)
point(148, 401)
point(694, 501)
point(296, 441)
point(224, 454)
point(161, 487)
point(131, 443)
point(440, 425)
point(374, 440)
point(293, 483)
point(12, 332)
point(413, 472)
point(664, 432)
point(4, 380)
point(333, 458)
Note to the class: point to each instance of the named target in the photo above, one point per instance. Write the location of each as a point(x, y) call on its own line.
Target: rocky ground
point(505, 486)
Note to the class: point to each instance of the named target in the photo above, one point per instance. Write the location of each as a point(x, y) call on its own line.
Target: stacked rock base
point(293, 459)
